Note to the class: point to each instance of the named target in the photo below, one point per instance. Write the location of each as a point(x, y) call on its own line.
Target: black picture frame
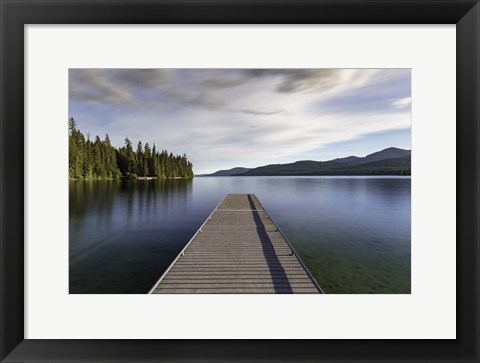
point(15, 14)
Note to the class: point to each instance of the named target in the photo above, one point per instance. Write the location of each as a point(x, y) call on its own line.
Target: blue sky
point(223, 118)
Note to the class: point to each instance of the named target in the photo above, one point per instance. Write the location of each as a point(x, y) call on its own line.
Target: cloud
point(200, 87)
point(114, 86)
point(402, 102)
point(189, 99)
point(226, 81)
point(228, 117)
point(261, 113)
point(299, 80)
point(86, 85)
point(140, 78)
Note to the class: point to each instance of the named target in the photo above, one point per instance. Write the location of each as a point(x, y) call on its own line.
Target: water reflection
point(123, 233)
point(353, 233)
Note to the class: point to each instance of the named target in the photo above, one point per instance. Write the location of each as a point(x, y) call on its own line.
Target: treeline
point(98, 159)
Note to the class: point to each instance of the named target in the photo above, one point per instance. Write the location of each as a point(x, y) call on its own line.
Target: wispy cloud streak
point(228, 117)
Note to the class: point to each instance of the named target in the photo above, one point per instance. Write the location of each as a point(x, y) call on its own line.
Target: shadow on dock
point(238, 250)
point(279, 276)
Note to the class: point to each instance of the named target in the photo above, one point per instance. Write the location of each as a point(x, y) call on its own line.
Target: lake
point(353, 233)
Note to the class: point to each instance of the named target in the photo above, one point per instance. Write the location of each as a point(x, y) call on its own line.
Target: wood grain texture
point(238, 250)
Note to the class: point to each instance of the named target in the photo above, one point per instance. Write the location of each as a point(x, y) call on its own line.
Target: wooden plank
point(243, 290)
point(244, 256)
point(281, 260)
point(270, 253)
point(237, 269)
point(231, 274)
point(238, 266)
point(232, 280)
point(243, 266)
point(236, 273)
point(239, 249)
point(237, 263)
point(284, 284)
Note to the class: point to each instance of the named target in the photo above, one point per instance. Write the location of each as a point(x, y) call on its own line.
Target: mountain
point(391, 161)
point(229, 172)
point(390, 153)
point(304, 167)
point(351, 160)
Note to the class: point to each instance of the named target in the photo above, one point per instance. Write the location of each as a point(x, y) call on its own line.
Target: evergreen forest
point(98, 159)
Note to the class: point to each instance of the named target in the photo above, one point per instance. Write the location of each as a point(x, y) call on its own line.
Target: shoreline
point(125, 178)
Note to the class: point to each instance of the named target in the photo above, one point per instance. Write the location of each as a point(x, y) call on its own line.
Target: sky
point(225, 118)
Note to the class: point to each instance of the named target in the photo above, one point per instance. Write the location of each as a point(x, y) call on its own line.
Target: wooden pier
point(238, 250)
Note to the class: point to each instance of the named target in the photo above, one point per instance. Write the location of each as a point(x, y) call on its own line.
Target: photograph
point(239, 181)
point(215, 165)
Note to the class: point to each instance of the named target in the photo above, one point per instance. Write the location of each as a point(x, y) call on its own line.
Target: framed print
point(240, 248)
point(239, 181)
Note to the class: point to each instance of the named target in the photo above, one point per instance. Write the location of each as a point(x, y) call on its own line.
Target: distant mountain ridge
point(390, 161)
point(390, 153)
point(229, 172)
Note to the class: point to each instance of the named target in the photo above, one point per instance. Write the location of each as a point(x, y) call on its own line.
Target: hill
point(391, 161)
point(229, 172)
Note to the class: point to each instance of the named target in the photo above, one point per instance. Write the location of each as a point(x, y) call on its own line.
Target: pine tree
point(148, 160)
point(87, 169)
point(155, 169)
point(100, 160)
point(131, 161)
point(141, 164)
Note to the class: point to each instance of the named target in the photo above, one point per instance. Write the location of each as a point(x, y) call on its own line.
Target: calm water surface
point(353, 233)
